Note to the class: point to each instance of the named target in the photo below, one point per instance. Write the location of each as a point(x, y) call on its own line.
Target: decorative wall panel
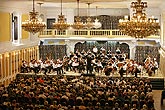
point(107, 45)
point(10, 62)
point(52, 51)
point(143, 51)
point(107, 21)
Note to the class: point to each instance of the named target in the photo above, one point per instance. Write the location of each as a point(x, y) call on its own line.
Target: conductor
point(89, 68)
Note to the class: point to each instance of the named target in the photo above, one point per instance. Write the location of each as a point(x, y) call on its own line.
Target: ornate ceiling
point(99, 3)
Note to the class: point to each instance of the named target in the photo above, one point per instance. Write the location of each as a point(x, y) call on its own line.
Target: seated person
point(118, 51)
point(24, 67)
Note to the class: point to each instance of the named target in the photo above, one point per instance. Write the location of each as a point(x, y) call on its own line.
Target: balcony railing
point(51, 33)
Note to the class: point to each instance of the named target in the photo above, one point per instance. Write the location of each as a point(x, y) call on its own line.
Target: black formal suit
point(89, 64)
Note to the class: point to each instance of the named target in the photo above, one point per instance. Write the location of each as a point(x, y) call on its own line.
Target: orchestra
point(95, 61)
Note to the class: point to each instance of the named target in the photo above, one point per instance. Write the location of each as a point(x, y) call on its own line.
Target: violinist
point(95, 50)
point(155, 65)
point(118, 51)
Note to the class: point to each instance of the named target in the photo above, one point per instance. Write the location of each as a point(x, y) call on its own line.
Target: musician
point(75, 64)
point(95, 50)
point(118, 51)
point(43, 67)
point(94, 64)
point(148, 59)
point(31, 65)
point(99, 66)
point(108, 69)
point(79, 55)
point(155, 65)
point(136, 68)
point(59, 67)
point(71, 55)
point(81, 66)
point(70, 64)
point(102, 49)
point(130, 66)
point(66, 63)
point(121, 71)
point(24, 67)
point(77, 52)
point(123, 56)
point(114, 57)
point(124, 67)
point(83, 52)
point(48, 66)
point(89, 59)
point(109, 54)
point(114, 65)
point(119, 62)
point(36, 67)
point(103, 62)
point(136, 71)
point(89, 51)
point(40, 60)
point(55, 66)
point(139, 67)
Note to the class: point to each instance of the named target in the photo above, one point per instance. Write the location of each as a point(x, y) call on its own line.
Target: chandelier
point(78, 24)
point(61, 24)
point(33, 25)
point(139, 26)
point(96, 24)
point(89, 24)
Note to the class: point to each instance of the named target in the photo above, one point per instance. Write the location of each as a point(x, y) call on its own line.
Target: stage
point(143, 74)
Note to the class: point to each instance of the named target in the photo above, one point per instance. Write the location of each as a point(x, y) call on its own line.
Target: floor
point(157, 99)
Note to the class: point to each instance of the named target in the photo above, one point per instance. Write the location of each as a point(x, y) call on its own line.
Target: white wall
point(104, 11)
point(70, 13)
point(54, 12)
point(18, 8)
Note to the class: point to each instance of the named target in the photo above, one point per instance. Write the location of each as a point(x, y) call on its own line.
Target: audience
point(76, 93)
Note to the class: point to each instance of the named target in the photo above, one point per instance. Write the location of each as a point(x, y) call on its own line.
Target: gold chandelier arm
point(61, 7)
point(88, 12)
point(33, 7)
point(78, 6)
point(139, 1)
point(96, 11)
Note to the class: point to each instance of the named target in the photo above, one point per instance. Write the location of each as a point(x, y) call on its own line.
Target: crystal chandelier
point(33, 25)
point(89, 24)
point(139, 26)
point(97, 24)
point(78, 24)
point(61, 24)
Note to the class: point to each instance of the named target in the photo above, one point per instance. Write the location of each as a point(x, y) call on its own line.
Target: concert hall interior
point(82, 54)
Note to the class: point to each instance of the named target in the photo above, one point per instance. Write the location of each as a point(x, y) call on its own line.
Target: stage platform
point(157, 79)
point(143, 74)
